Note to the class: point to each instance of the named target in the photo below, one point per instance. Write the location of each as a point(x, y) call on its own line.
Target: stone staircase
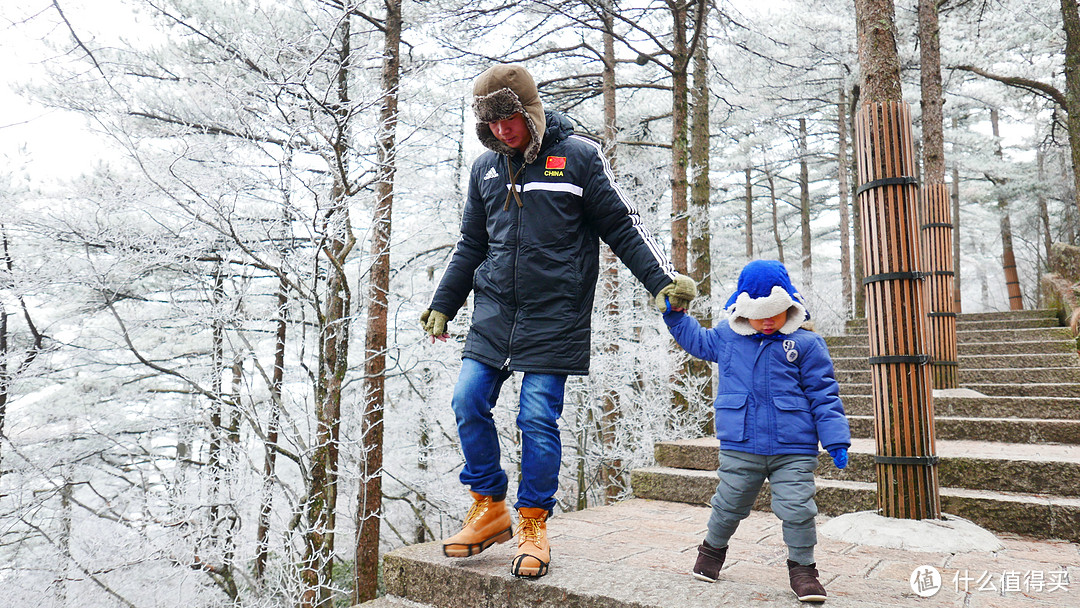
point(1008, 439)
point(1009, 444)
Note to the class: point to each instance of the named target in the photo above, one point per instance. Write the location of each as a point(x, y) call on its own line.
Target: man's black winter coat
point(533, 268)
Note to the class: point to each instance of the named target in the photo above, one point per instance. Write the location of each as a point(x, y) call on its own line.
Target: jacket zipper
point(760, 405)
point(517, 251)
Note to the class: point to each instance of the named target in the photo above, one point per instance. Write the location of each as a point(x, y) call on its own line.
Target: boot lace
point(477, 510)
point(529, 529)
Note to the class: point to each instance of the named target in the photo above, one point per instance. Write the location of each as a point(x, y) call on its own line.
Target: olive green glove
point(434, 323)
point(677, 295)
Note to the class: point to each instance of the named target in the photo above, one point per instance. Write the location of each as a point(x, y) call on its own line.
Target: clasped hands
point(677, 294)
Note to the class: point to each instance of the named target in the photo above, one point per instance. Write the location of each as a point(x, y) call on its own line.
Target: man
point(539, 201)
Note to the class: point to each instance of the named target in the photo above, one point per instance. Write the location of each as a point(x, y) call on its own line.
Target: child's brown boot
point(709, 561)
point(804, 582)
point(488, 522)
point(534, 553)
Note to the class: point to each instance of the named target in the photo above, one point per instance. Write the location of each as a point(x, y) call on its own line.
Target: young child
point(776, 400)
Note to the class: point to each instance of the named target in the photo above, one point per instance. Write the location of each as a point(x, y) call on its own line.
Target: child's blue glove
point(839, 457)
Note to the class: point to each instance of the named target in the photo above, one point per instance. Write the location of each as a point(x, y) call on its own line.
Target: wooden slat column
point(896, 312)
point(937, 239)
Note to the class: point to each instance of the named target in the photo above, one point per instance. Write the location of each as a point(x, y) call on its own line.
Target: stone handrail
point(1061, 285)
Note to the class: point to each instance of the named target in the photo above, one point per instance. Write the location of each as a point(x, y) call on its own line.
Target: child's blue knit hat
point(764, 291)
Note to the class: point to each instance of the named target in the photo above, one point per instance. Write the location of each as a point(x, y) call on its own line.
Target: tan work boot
point(488, 522)
point(534, 553)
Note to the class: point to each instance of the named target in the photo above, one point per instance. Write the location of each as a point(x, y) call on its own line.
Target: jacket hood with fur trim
point(499, 93)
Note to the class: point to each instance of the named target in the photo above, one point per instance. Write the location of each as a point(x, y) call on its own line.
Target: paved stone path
point(638, 553)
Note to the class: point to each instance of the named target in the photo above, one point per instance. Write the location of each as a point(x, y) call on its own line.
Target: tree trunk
point(1044, 211)
point(369, 502)
point(907, 481)
point(878, 58)
point(1008, 257)
point(844, 203)
point(937, 228)
point(856, 221)
point(804, 209)
point(217, 404)
point(931, 93)
point(680, 61)
point(333, 343)
point(775, 217)
point(701, 187)
point(611, 477)
point(955, 199)
point(680, 158)
point(273, 425)
point(1071, 22)
point(749, 216)
point(5, 373)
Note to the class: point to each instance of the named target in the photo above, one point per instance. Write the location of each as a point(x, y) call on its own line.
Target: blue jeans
point(540, 406)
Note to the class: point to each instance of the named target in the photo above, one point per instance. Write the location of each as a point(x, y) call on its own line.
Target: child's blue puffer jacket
point(776, 394)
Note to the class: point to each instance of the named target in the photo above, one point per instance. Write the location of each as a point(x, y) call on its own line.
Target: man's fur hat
point(499, 93)
point(765, 290)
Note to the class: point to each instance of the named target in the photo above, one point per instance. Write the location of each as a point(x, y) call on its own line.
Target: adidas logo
point(491, 174)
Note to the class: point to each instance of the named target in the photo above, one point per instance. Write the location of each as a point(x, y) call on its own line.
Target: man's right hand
point(677, 294)
point(434, 323)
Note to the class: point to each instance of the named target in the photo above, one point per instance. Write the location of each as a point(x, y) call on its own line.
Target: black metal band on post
point(886, 181)
point(944, 273)
point(894, 276)
point(941, 314)
point(925, 461)
point(946, 363)
point(937, 225)
point(918, 359)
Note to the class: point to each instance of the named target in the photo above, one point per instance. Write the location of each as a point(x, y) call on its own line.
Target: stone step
point(1007, 430)
point(1060, 408)
point(1000, 315)
point(1035, 515)
point(1025, 347)
point(1007, 314)
point(392, 601)
point(1032, 389)
point(961, 325)
point(638, 553)
point(1041, 361)
point(973, 465)
point(991, 389)
point(1049, 375)
point(1047, 334)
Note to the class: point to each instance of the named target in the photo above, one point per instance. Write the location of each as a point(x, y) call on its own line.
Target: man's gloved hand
point(839, 457)
point(434, 323)
point(677, 295)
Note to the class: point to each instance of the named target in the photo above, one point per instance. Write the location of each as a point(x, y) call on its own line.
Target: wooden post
point(896, 308)
point(937, 240)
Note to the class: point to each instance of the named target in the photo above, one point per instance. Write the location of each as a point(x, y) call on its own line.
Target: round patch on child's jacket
point(789, 351)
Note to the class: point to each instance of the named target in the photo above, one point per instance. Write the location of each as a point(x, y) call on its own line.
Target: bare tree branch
point(1039, 88)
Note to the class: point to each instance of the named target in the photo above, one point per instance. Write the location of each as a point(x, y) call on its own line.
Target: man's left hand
point(677, 295)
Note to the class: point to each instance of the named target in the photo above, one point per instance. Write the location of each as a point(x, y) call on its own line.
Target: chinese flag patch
point(555, 162)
